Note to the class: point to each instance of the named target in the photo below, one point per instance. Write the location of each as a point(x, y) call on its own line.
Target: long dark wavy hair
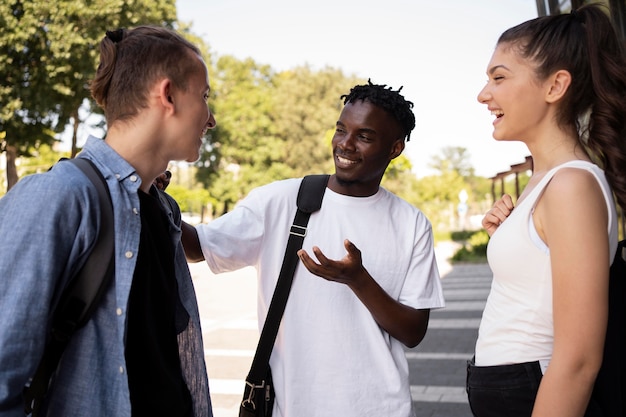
point(586, 45)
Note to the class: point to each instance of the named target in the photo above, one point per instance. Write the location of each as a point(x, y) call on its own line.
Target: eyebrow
point(496, 67)
point(361, 130)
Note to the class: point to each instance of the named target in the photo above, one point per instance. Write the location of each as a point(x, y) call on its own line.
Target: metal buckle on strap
point(297, 230)
point(249, 403)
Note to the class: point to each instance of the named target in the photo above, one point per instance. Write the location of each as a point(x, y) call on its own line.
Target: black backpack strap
point(82, 294)
point(309, 200)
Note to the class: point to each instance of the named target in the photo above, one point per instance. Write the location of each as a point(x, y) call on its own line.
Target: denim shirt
point(48, 226)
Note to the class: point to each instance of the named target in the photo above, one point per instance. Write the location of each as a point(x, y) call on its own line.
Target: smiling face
point(195, 116)
point(366, 139)
point(514, 95)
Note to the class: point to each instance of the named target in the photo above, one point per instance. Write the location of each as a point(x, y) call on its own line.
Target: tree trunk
point(75, 133)
point(11, 153)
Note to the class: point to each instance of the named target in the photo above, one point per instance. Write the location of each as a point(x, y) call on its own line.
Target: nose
point(211, 123)
point(483, 95)
point(346, 142)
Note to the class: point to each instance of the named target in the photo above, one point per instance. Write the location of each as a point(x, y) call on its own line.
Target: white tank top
point(517, 323)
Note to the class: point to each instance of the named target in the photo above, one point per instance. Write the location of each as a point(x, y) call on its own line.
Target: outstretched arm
point(404, 323)
point(191, 243)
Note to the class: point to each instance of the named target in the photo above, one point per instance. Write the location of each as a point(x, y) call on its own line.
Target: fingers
point(507, 201)
point(319, 269)
point(322, 259)
point(353, 251)
point(498, 214)
point(309, 262)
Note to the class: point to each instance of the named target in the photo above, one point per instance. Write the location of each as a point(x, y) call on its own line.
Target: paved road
point(437, 366)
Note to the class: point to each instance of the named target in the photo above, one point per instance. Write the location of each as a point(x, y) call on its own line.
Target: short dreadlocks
point(384, 97)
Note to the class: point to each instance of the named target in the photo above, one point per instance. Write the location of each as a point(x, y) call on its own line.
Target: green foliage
point(40, 160)
point(48, 52)
point(306, 108)
point(244, 150)
point(270, 125)
point(453, 158)
point(474, 247)
point(461, 235)
point(193, 200)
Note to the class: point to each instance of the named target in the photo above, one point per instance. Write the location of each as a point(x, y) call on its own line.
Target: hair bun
point(115, 36)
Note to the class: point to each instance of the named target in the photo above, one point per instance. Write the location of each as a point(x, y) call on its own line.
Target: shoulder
point(63, 183)
point(573, 196)
point(274, 192)
point(50, 204)
point(279, 187)
point(399, 205)
point(576, 183)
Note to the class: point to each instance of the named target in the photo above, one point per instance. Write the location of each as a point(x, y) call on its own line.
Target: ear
point(558, 84)
point(165, 94)
point(397, 148)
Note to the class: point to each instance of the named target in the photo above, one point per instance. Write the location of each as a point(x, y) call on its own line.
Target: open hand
point(346, 270)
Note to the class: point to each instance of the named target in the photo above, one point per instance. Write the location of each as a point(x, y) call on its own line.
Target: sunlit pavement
point(437, 366)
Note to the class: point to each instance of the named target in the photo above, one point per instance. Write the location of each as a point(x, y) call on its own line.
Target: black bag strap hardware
point(309, 200)
point(81, 296)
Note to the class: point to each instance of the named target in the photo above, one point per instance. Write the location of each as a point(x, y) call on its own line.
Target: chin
point(344, 180)
point(193, 159)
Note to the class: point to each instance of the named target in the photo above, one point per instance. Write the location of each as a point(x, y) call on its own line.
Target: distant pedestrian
point(141, 354)
point(557, 84)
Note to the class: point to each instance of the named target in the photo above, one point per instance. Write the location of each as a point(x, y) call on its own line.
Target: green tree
point(41, 160)
point(307, 104)
point(243, 151)
point(453, 158)
point(27, 99)
point(48, 52)
point(270, 126)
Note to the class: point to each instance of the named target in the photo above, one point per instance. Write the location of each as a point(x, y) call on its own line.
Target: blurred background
point(277, 71)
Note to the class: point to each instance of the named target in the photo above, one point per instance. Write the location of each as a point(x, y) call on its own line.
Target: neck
point(555, 149)
point(353, 188)
point(141, 153)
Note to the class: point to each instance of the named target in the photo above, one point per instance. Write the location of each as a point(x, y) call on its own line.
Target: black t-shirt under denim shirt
point(155, 379)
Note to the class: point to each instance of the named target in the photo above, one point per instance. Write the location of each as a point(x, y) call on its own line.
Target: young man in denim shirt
point(141, 353)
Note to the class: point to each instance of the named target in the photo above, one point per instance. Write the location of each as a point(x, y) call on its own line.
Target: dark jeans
point(503, 391)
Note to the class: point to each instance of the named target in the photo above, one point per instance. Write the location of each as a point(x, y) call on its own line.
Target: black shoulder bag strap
point(81, 296)
point(309, 200)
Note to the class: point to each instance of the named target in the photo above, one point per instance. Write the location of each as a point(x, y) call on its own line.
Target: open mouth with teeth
point(497, 113)
point(345, 161)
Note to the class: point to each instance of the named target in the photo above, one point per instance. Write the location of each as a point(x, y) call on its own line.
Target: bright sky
point(437, 49)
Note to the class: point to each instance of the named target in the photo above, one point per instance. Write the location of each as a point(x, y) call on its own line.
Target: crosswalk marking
point(437, 374)
point(434, 323)
point(426, 393)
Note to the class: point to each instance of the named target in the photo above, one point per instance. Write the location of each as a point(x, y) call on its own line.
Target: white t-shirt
point(517, 324)
point(331, 358)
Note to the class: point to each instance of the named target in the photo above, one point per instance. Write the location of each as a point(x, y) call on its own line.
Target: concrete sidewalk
point(437, 366)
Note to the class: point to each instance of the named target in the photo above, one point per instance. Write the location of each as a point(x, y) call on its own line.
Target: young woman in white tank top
point(542, 333)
